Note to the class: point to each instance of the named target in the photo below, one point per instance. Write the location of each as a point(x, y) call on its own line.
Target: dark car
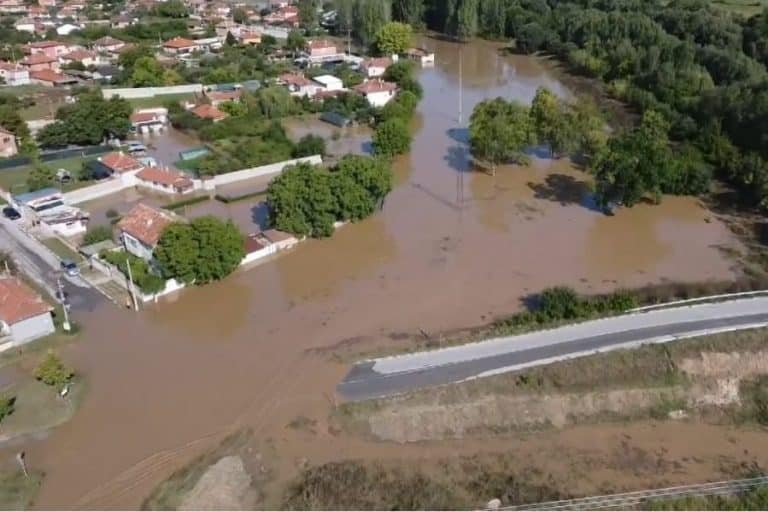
point(70, 268)
point(11, 213)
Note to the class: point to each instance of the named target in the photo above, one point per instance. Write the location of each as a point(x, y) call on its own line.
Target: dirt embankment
point(701, 377)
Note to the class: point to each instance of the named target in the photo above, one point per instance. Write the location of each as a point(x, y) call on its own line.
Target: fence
point(256, 172)
point(149, 92)
point(52, 156)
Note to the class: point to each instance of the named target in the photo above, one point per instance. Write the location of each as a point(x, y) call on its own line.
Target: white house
point(14, 74)
point(377, 92)
point(149, 120)
point(375, 68)
point(24, 315)
point(329, 83)
point(66, 29)
point(25, 25)
point(299, 85)
point(422, 56)
point(164, 181)
point(141, 229)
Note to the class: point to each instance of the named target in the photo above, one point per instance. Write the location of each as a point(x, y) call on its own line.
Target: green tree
point(499, 132)
point(409, 11)
point(394, 38)
point(301, 201)
point(360, 185)
point(128, 57)
point(239, 15)
point(7, 405)
point(309, 145)
point(41, 177)
point(392, 138)
point(207, 249)
point(404, 75)
point(53, 372)
point(230, 40)
point(552, 123)
point(147, 72)
point(295, 42)
point(96, 234)
point(369, 17)
point(308, 13)
point(171, 9)
point(276, 102)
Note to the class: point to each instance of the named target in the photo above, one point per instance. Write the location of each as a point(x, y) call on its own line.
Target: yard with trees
point(308, 200)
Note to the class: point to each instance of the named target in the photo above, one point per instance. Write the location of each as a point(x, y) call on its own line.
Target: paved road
point(400, 374)
point(42, 266)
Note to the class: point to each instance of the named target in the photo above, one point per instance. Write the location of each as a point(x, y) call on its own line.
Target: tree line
point(701, 68)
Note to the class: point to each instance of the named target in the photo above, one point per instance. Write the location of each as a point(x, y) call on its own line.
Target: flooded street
point(451, 248)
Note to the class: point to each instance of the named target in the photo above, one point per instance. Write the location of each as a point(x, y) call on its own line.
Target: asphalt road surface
point(401, 374)
point(40, 265)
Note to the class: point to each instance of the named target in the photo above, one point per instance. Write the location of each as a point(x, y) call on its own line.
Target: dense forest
point(702, 69)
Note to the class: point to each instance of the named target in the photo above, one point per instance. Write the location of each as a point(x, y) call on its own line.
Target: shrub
point(185, 202)
point(7, 405)
point(112, 213)
point(143, 276)
point(53, 372)
point(97, 234)
point(309, 145)
point(392, 138)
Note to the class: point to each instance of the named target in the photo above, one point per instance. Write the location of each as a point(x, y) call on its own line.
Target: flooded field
point(340, 141)
point(451, 248)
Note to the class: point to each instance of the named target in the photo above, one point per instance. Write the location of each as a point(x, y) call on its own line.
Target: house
point(24, 315)
point(298, 85)
point(249, 37)
point(375, 68)
point(14, 74)
point(38, 12)
point(8, 145)
point(47, 3)
point(107, 44)
point(329, 83)
point(287, 15)
point(12, 7)
point(164, 180)
point(106, 74)
point(280, 239)
point(205, 111)
point(119, 164)
point(122, 21)
point(422, 56)
point(25, 25)
point(54, 49)
point(84, 57)
point(150, 120)
point(47, 207)
point(377, 92)
point(180, 45)
point(67, 13)
point(218, 97)
point(320, 48)
point(66, 29)
point(51, 78)
point(39, 62)
point(141, 229)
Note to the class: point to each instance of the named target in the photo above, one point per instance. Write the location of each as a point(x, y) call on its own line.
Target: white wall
point(148, 92)
point(256, 172)
point(81, 195)
point(254, 256)
point(32, 328)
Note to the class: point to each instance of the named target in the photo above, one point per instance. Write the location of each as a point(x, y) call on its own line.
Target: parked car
point(70, 267)
point(11, 213)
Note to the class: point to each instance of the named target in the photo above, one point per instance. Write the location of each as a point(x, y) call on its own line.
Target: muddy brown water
point(450, 248)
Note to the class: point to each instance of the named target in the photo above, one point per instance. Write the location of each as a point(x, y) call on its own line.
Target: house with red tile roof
point(298, 85)
point(150, 120)
point(107, 44)
point(180, 45)
point(119, 163)
point(141, 229)
point(206, 111)
point(24, 315)
point(375, 68)
point(39, 62)
point(288, 15)
point(164, 180)
point(47, 48)
point(377, 92)
point(51, 78)
point(84, 57)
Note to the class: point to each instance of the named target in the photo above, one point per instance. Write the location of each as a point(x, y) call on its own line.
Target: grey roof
point(37, 194)
point(335, 119)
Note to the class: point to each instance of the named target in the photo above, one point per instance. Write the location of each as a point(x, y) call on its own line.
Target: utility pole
point(349, 41)
point(131, 288)
point(21, 459)
point(66, 325)
point(461, 85)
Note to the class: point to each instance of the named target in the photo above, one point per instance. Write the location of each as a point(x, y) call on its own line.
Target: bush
point(112, 213)
point(143, 276)
point(185, 202)
point(53, 372)
point(309, 145)
point(392, 138)
point(97, 234)
point(7, 405)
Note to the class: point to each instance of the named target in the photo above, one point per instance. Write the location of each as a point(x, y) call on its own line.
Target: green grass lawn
point(61, 250)
point(17, 492)
point(158, 101)
point(14, 180)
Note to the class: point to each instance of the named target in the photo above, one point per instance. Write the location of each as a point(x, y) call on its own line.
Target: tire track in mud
point(140, 473)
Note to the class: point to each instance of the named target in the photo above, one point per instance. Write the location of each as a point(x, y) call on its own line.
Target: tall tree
point(394, 38)
point(500, 131)
point(370, 16)
point(308, 13)
point(409, 11)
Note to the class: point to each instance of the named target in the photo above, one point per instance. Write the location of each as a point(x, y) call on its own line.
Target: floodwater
point(166, 146)
point(339, 141)
point(450, 249)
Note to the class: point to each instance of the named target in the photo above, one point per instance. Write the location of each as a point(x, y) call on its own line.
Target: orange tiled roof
point(145, 224)
point(19, 302)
